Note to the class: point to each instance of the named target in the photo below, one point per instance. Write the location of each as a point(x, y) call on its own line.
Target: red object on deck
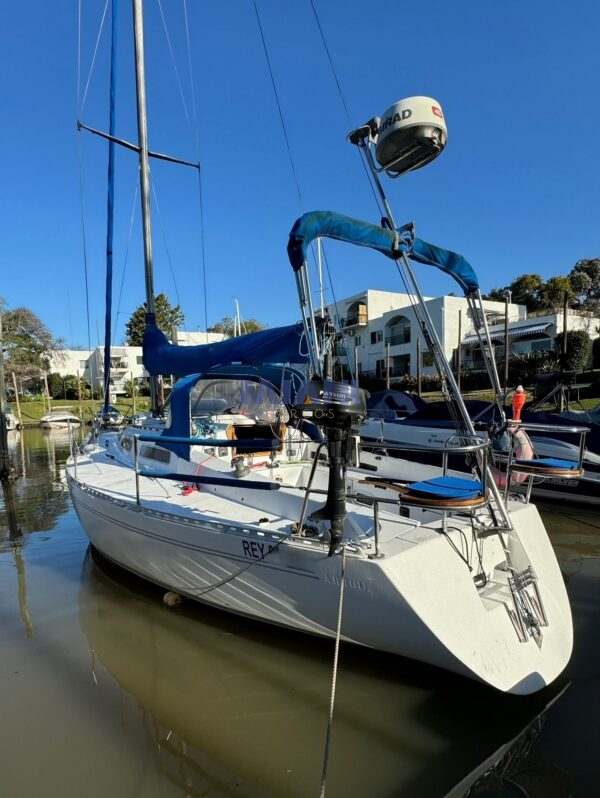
point(518, 402)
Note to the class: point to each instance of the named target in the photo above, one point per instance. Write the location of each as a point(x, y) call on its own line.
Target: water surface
point(106, 692)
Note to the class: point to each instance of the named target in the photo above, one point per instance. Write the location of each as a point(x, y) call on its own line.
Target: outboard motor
point(338, 408)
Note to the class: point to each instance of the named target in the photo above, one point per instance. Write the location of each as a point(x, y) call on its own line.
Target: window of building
point(139, 360)
point(542, 345)
point(398, 331)
point(380, 368)
point(427, 359)
point(400, 365)
point(357, 340)
point(83, 364)
point(377, 337)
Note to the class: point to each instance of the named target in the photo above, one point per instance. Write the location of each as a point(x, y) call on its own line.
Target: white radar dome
point(411, 133)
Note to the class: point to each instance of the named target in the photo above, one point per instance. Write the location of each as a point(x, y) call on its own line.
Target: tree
point(525, 290)
point(579, 349)
point(168, 318)
point(131, 386)
point(226, 326)
point(64, 387)
point(585, 280)
point(28, 343)
point(554, 290)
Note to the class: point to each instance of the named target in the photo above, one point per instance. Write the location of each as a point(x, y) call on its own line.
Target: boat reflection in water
point(237, 706)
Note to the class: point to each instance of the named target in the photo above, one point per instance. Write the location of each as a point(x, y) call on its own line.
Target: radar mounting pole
point(409, 159)
point(320, 266)
point(142, 122)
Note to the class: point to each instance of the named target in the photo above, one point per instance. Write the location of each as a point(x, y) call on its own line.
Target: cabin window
point(256, 400)
point(155, 453)
point(126, 443)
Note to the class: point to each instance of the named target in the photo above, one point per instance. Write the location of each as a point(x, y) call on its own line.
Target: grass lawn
point(488, 396)
point(31, 412)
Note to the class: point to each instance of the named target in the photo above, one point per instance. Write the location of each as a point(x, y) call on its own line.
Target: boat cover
point(277, 345)
point(550, 462)
point(446, 487)
point(391, 243)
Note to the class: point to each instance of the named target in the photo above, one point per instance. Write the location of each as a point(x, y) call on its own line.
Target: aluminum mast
point(142, 119)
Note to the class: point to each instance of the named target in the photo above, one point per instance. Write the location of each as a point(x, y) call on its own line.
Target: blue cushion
point(550, 462)
point(448, 488)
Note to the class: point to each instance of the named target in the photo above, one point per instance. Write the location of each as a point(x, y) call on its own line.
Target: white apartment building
point(535, 333)
point(126, 362)
point(373, 319)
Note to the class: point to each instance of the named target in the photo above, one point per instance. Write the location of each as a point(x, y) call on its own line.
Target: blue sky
point(517, 188)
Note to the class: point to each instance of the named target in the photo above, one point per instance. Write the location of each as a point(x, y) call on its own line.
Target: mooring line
point(338, 635)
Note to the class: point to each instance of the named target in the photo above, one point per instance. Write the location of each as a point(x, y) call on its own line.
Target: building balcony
point(397, 340)
point(356, 320)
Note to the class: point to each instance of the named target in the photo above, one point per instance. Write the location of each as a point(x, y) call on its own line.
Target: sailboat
point(244, 498)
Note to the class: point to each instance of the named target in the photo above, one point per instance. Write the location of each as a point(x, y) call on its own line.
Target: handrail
point(485, 444)
point(557, 428)
point(512, 465)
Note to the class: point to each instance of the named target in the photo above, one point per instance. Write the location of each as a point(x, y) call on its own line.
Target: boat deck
point(100, 471)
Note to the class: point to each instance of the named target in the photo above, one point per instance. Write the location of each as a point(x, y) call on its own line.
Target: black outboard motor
point(337, 408)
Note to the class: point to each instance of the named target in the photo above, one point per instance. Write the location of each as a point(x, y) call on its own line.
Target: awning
point(497, 332)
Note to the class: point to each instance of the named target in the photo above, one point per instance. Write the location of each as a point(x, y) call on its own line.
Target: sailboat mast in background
point(110, 209)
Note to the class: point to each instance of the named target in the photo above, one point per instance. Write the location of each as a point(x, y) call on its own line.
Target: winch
point(338, 408)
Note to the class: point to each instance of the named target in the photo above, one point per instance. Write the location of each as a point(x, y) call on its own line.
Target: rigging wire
point(196, 127)
point(289, 152)
point(78, 60)
point(132, 215)
point(166, 246)
point(194, 130)
point(93, 62)
point(174, 62)
point(84, 242)
point(334, 673)
point(341, 94)
point(278, 103)
point(188, 45)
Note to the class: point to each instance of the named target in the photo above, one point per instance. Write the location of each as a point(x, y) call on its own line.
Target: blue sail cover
point(277, 345)
point(389, 242)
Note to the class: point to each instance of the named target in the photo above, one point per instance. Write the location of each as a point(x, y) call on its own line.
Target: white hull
point(419, 600)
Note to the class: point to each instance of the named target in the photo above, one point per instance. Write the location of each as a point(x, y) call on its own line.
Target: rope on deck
point(327, 749)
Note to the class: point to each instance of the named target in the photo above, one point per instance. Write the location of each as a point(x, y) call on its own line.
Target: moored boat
point(443, 570)
point(59, 419)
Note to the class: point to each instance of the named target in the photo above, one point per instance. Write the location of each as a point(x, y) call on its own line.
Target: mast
point(110, 208)
point(142, 120)
point(4, 460)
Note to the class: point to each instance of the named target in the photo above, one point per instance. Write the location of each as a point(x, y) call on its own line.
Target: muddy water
point(106, 692)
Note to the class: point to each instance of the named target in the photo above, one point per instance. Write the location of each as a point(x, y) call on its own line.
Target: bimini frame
point(399, 244)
